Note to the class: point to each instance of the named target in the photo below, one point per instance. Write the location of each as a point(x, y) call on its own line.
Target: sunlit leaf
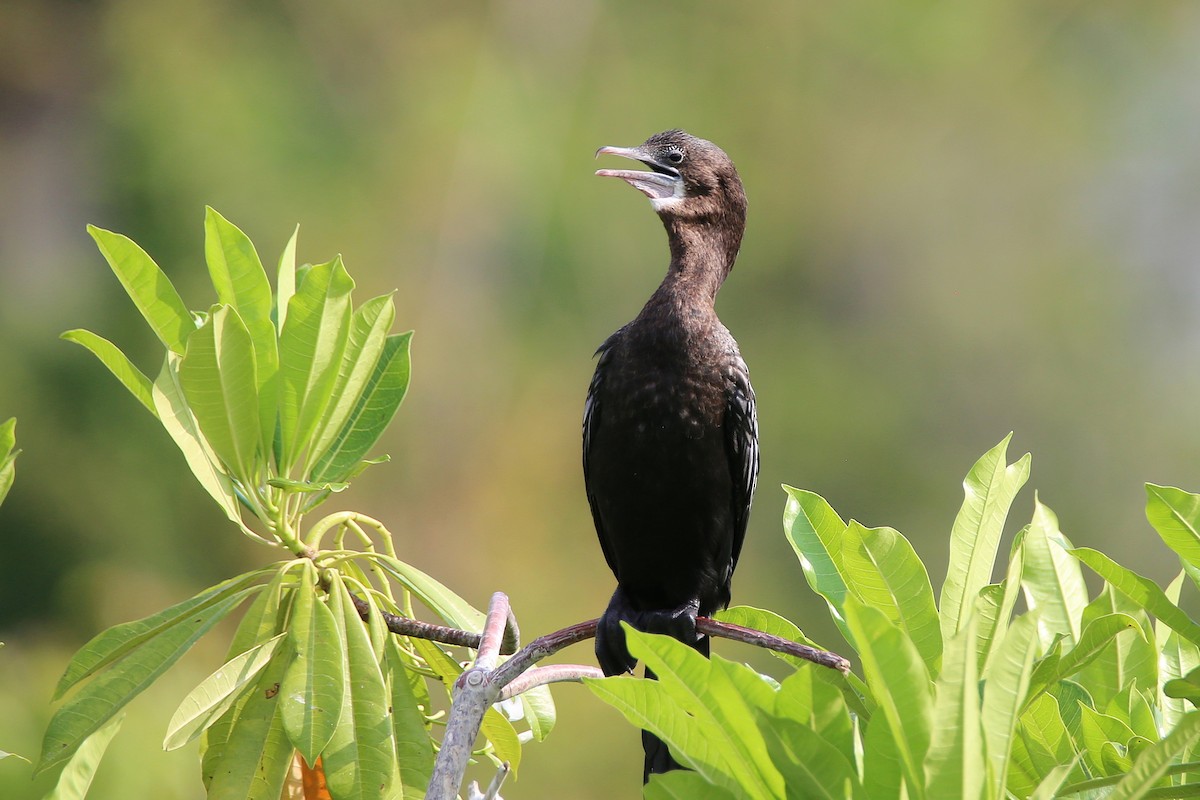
point(216, 693)
point(219, 380)
point(148, 287)
point(811, 766)
point(241, 282)
point(359, 759)
point(989, 490)
point(1099, 729)
point(76, 777)
point(180, 423)
point(132, 378)
point(884, 571)
point(310, 353)
point(8, 455)
point(1142, 591)
point(414, 749)
point(254, 756)
point(899, 682)
point(1175, 514)
point(540, 713)
point(285, 281)
point(1052, 579)
point(380, 397)
point(815, 532)
point(1004, 692)
point(119, 640)
point(954, 764)
point(314, 686)
point(99, 700)
point(683, 785)
point(1152, 763)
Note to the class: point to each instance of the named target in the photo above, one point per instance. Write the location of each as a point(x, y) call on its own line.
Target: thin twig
point(727, 630)
point(403, 626)
point(540, 676)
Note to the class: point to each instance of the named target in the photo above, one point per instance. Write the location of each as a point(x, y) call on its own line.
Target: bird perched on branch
point(670, 431)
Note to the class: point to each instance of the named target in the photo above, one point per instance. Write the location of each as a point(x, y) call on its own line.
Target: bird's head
point(689, 177)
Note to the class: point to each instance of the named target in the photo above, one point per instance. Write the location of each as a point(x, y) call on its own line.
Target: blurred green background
point(965, 219)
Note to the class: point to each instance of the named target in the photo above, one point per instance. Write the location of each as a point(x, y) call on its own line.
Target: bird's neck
point(702, 254)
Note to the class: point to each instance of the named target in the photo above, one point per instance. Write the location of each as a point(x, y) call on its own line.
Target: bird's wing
point(741, 447)
point(591, 418)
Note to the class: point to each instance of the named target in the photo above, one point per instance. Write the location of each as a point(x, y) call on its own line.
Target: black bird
point(670, 430)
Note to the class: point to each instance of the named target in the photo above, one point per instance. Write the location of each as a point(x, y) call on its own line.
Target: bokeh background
point(965, 219)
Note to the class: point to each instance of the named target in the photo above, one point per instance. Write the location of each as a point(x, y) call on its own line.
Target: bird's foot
point(611, 651)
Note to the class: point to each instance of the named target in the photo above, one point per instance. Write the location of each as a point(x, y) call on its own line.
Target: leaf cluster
point(966, 695)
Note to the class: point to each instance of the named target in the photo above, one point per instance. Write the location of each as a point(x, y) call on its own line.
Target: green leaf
point(815, 531)
point(76, 777)
point(414, 749)
point(1152, 763)
point(539, 711)
point(99, 700)
point(506, 745)
point(989, 490)
point(884, 572)
point(285, 282)
point(954, 764)
point(1052, 580)
point(681, 785)
point(811, 766)
point(177, 418)
point(1053, 781)
point(118, 641)
point(368, 331)
point(1175, 514)
point(1004, 695)
point(381, 396)
point(8, 455)
point(440, 600)
point(148, 287)
point(241, 282)
point(132, 378)
point(1126, 658)
point(1142, 591)
point(315, 684)
point(1185, 688)
point(899, 682)
point(218, 375)
point(359, 760)
point(310, 353)
point(1099, 729)
point(1096, 637)
point(253, 757)
point(217, 693)
point(1178, 657)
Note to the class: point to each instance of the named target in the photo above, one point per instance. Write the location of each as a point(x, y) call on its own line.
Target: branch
point(727, 630)
point(403, 626)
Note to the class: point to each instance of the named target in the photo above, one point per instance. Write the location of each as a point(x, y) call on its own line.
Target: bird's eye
point(674, 157)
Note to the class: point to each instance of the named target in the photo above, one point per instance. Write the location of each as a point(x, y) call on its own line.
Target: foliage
point(276, 400)
point(1079, 695)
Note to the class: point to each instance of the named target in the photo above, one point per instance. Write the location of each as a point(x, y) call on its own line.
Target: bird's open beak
point(663, 183)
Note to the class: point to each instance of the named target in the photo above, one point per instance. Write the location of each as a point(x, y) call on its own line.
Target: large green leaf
point(683, 785)
point(217, 693)
point(989, 490)
point(815, 531)
point(380, 397)
point(1178, 658)
point(219, 380)
point(414, 749)
point(119, 640)
point(1099, 729)
point(1142, 591)
point(76, 777)
point(503, 737)
point(241, 282)
point(148, 287)
point(8, 455)
point(252, 759)
point(369, 328)
point(1095, 639)
point(359, 759)
point(811, 766)
point(177, 418)
point(537, 704)
point(285, 281)
point(1175, 514)
point(1153, 762)
point(310, 352)
point(884, 571)
point(99, 700)
point(1124, 659)
point(132, 378)
point(315, 684)
point(1004, 693)
point(954, 764)
point(899, 682)
point(1052, 579)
